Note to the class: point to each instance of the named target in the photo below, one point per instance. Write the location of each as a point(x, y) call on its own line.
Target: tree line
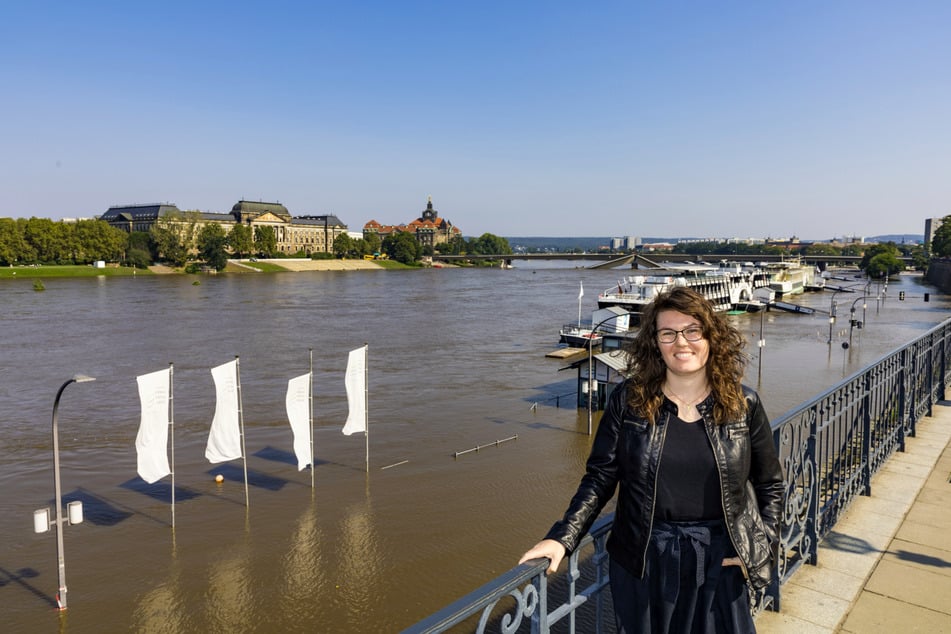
point(44, 241)
point(184, 240)
point(403, 246)
point(878, 260)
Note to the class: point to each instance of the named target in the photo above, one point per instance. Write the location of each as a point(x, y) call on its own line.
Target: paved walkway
point(886, 567)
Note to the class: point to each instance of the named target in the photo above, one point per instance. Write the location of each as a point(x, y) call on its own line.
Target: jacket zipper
point(650, 527)
point(726, 519)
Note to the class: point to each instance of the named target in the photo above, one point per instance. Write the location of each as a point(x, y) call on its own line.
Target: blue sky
point(725, 119)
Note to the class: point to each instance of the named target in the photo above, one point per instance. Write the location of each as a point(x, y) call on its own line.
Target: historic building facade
point(429, 228)
point(308, 234)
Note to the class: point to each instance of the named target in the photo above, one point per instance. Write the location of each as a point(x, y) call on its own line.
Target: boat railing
point(830, 447)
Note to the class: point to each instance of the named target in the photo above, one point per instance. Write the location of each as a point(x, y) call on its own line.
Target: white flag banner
point(580, 290)
point(151, 443)
point(298, 413)
point(356, 391)
point(224, 440)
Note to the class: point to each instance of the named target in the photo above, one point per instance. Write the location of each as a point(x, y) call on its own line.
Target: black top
point(688, 485)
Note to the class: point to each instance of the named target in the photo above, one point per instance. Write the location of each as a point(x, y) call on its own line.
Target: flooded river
point(456, 360)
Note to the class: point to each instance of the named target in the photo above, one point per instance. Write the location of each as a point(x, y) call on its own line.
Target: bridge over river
point(651, 260)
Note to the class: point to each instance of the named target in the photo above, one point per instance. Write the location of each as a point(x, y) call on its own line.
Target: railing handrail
point(830, 446)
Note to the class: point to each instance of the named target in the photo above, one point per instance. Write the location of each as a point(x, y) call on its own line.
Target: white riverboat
point(579, 336)
point(727, 286)
point(791, 278)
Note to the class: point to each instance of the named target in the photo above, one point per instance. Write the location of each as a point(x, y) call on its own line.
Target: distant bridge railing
point(830, 448)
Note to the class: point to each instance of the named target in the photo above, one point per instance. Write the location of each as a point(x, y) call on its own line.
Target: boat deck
point(564, 353)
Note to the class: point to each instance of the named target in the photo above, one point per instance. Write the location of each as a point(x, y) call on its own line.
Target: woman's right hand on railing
point(549, 549)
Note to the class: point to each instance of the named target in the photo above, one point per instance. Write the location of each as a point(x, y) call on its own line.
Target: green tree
point(28, 255)
point(941, 243)
point(360, 248)
point(51, 242)
point(918, 257)
point(265, 241)
point(851, 249)
point(241, 240)
point(457, 246)
point(489, 244)
point(213, 246)
point(138, 258)
point(884, 265)
point(174, 237)
point(402, 246)
point(342, 245)
point(820, 248)
point(878, 249)
point(142, 241)
point(373, 242)
point(98, 240)
point(13, 248)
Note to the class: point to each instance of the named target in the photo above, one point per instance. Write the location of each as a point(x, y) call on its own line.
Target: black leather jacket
point(627, 450)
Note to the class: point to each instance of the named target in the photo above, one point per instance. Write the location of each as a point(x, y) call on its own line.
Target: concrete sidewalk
point(886, 567)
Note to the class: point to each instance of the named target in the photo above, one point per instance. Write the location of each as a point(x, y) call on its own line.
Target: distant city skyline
point(519, 119)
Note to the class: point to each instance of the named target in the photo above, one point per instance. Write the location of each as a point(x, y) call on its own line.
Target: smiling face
point(683, 358)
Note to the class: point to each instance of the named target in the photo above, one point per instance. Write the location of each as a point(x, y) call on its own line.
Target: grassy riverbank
point(234, 266)
point(67, 270)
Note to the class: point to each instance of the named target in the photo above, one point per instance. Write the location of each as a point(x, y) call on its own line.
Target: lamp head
point(82, 378)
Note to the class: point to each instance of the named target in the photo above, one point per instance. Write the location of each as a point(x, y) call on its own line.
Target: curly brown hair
point(725, 364)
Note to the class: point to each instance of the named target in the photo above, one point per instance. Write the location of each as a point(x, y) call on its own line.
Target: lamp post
point(762, 344)
point(75, 515)
point(591, 388)
point(832, 310)
point(852, 322)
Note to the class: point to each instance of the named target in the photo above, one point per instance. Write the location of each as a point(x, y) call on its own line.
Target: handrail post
point(944, 361)
point(904, 411)
point(931, 375)
point(867, 433)
point(812, 515)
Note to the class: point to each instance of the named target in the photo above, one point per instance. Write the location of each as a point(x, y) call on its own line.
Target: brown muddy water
point(456, 360)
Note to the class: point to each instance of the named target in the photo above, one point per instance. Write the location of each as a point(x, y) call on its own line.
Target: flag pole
point(171, 429)
point(366, 403)
point(244, 453)
point(580, 295)
point(310, 396)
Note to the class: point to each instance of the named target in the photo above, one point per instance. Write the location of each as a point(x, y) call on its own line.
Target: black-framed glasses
point(690, 333)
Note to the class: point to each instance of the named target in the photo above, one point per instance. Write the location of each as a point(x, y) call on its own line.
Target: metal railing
point(830, 448)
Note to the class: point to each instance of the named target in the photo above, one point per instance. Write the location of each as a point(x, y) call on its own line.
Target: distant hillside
point(558, 244)
point(898, 238)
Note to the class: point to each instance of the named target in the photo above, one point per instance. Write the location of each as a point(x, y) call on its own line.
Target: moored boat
point(579, 336)
point(725, 286)
point(790, 277)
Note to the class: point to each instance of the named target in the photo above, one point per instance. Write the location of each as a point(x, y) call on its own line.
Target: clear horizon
point(807, 119)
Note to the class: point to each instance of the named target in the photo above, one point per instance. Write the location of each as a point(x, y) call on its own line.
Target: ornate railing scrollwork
point(830, 447)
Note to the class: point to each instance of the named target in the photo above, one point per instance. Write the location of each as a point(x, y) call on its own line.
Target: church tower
point(430, 213)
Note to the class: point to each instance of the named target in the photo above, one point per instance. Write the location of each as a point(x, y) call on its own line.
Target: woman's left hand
point(732, 561)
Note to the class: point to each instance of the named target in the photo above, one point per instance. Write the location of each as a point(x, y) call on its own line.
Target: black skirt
point(685, 588)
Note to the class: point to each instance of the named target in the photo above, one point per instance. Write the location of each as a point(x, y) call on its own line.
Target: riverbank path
point(886, 566)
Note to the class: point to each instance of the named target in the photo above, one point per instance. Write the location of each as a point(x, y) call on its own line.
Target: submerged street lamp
point(41, 517)
point(832, 312)
point(853, 323)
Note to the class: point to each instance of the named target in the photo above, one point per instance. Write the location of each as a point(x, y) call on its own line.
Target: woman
point(700, 486)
